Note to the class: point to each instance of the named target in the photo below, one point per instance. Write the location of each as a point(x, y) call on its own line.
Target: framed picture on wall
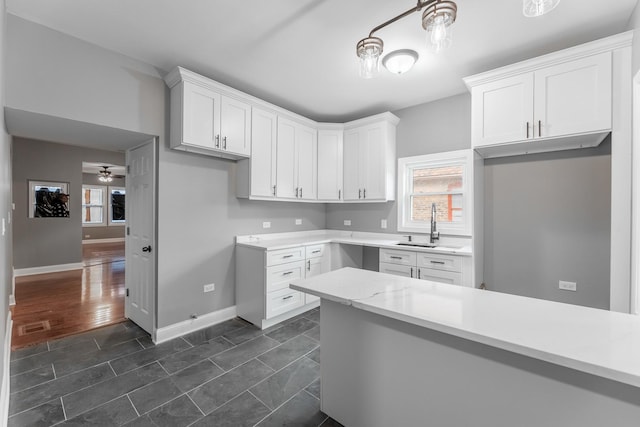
point(48, 199)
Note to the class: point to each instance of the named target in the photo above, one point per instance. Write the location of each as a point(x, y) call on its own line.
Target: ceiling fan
point(105, 174)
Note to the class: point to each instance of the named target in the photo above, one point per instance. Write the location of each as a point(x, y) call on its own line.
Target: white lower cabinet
point(443, 268)
point(263, 296)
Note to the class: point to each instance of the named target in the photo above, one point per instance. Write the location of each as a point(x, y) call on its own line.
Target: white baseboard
point(178, 329)
point(4, 399)
point(47, 269)
point(110, 240)
point(12, 300)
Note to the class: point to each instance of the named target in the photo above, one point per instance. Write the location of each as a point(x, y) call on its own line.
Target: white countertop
point(595, 341)
point(378, 240)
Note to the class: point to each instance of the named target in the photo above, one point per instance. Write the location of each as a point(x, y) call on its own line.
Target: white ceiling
point(300, 54)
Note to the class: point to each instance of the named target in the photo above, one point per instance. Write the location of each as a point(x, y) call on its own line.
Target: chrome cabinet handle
point(437, 262)
point(309, 265)
point(364, 193)
point(539, 128)
point(287, 256)
point(359, 193)
point(274, 190)
point(287, 297)
point(217, 141)
point(316, 252)
point(286, 273)
point(395, 257)
point(296, 192)
point(411, 272)
point(339, 194)
point(224, 142)
point(418, 273)
point(300, 192)
point(527, 130)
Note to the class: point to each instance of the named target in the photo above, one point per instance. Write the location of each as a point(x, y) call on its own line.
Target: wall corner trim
point(181, 328)
point(5, 391)
point(47, 269)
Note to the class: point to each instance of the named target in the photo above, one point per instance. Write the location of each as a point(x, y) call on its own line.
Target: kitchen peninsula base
point(380, 371)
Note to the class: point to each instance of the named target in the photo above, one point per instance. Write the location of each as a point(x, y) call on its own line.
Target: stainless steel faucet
point(435, 234)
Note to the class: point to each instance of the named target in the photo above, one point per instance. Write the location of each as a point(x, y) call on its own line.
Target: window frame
point(407, 165)
point(111, 222)
point(102, 188)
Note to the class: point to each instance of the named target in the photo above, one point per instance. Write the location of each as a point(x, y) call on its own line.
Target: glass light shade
point(369, 51)
point(533, 8)
point(400, 61)
point(440, 33)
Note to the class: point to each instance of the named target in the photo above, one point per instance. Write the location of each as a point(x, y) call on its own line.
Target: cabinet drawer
point(440, 276)
point(315, 251)
point(440, 262)
point(282, 256)
point(279, 276)
point(392, 256)
point(284, 300)
point(397, 269)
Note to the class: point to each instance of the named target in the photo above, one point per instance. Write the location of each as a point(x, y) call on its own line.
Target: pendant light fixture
point(105, 174)
point(534, 8)
point(437, 17)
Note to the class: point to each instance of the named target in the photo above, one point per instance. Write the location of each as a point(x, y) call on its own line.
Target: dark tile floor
point(230, 374)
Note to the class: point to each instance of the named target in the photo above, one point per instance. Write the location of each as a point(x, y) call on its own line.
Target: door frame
point(154, 297)
point(635, 199)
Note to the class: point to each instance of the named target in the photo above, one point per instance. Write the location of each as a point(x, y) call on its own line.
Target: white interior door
point(140, 274)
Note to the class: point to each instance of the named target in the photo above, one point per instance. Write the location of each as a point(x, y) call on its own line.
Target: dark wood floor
point(55, 305)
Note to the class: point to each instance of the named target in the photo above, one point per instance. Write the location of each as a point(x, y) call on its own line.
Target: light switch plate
point(266, 224)
point(347, 222)
point(383, 223)
point(298, 221)
point(567, 286)
point(210, 287)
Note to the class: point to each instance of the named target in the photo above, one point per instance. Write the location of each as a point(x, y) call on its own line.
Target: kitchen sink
point(418, 245)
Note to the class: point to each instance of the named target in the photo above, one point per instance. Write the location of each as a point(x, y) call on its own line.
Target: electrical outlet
point(567, 286)
point(298, 221)
point(347, 222)
point(266, 224)
point(210, 287)
point(383, 223)
point(86, 236)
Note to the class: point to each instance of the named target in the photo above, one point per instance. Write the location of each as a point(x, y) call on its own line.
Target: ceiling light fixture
point(400, 61)
point(437, 17)
point(533, 8)
point(105, 174)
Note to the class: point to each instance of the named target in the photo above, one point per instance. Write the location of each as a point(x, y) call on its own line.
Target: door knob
point(146, 249)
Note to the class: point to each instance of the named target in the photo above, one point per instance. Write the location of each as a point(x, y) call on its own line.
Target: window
point(442, 179)
point(117, 206)
point(48, 199)
point(93, 201)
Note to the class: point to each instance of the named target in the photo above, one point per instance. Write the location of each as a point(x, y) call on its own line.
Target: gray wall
point(38, 241)
point(548, 218)
point(434, 127)
point(112, 231)
point(5, 200)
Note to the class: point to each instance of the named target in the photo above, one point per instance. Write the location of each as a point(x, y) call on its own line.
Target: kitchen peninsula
point(397, 351)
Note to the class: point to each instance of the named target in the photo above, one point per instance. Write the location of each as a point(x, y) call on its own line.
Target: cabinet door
point(329, 165)
point(263, 153)
point(314, 267)
point(351, 174)
point(307, 162)
point(286, 159)
point(201, 117)
point(502, 111)
point(235, 126)
point(574, 97)
point(372, 163)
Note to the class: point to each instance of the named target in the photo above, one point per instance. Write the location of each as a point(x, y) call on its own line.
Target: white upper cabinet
point(296, 161)
point(263, 154)
point(574, 97)
point(330, 164)
point(558, 101)
point(370, 159)
point(206, 121)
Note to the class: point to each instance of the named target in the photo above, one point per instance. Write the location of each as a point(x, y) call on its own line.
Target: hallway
point(55, 305)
